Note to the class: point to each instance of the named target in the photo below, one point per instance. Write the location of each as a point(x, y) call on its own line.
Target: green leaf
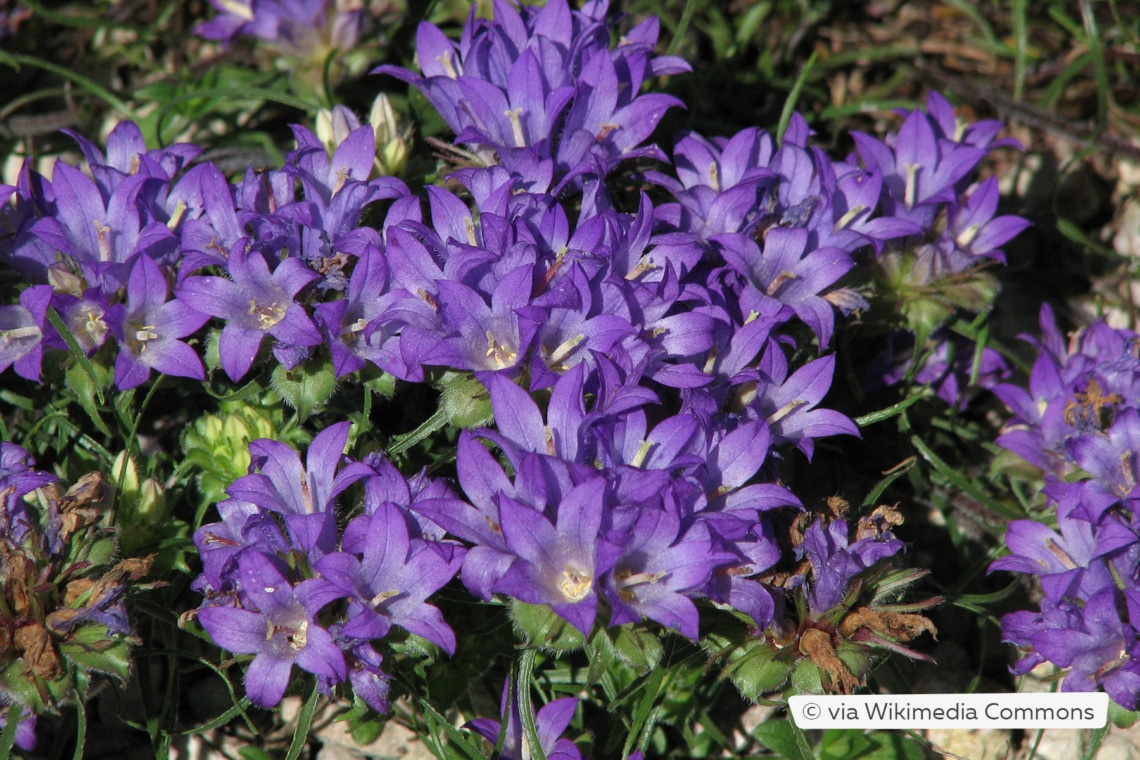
point(807, 677)
point(22, 689)
point(1095, 740)
point(756, 671)
point(541, 626)
point(101, 550)
point(89, 648)
point(600, 654)
point(254, 753)
point(439, 725)
point(962, 483)
point(645, 715)
point(794, 96)
point(83, 82)
point(304, 721)
point(637, 647)
point(890, 745)
point(843, 744)
point(779, 736)
point(8, 736)
point(80, 718)
point(306, 386)
point(979, 602)
point(890, 411)
point(1120, 717)
point(526, 705)
point(87, 392)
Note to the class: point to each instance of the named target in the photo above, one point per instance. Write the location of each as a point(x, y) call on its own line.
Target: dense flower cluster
point(646, 371)
point(293, 25)
point(1079, 423)
point(62, 611)
point(277, 560)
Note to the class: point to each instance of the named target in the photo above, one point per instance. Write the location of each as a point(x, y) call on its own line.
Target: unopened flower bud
point(391, 140)
point(151, 504)
point(334, 126)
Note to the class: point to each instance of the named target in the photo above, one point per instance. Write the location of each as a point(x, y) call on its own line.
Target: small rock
point(976, 744)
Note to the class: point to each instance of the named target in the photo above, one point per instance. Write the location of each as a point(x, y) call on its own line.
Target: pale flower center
point(267, 315)
point(574, 583)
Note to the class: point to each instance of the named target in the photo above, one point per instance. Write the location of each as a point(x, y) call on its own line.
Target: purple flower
point(254, 303)
point(531, 86)
point(550, 721)
point(148, 328)
point(276, 626)
point(26, 730)
point(658, 566)
point(835, 563)
point(296, 25)
point(389, 582)
point(972, 229)
point(305, 496)
point(559, 564)
point(920, 170)
point(1098, 647)
point(22, 332)
point(788, 403)
point(17, 479)
point(791, 273)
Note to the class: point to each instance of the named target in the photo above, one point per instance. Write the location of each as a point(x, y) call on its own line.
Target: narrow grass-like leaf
point(892, 475)
point(1020, 46)
point(230, 94)
point(132, 439)
point(304, 721)
point(971, 11)
point(252, 388)
point(1095, 740)
point(835, 113)
point(891, 411)
point(794, 96)
point(682, 26)
point(404, 442)
point(80, 728)
point(1100, 70)
point(456, 736)
point(526, 704)
point(1053, 92)
point(90, 86)
point(979, 353)
point(978, 602)
point(1079, 236)
point(641, 729)
point(962, 483)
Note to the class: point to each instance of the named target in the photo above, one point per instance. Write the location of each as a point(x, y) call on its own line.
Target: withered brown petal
point(76, 589)
point(899, 626)
point(40, 658)
point(816, 644)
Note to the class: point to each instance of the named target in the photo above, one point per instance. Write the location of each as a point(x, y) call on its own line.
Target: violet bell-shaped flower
point(254, 303)
point(550, 721)
point(278, 627)
point(23, 329)
point(559, 564)
point(835, 563)
point(149, 328)
point(305, 496)
point(386, 580)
